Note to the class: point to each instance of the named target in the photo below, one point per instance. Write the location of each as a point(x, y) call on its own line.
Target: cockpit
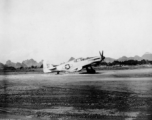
point(79, 59)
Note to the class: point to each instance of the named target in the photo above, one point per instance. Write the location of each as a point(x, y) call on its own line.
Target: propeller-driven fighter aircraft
point(75, 65)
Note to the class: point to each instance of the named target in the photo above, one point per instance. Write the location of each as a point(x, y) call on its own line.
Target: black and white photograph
point(75, 59)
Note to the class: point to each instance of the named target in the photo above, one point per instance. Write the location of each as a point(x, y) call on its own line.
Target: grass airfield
point(107, 95)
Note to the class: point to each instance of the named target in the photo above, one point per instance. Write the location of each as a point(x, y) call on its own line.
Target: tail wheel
point(67, 66)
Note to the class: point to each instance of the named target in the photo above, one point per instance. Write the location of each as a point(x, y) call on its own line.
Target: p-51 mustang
point(75, 65)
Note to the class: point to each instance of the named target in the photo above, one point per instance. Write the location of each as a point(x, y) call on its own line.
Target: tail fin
point(47, 68)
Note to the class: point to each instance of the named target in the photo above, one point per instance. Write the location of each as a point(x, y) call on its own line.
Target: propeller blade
point(100, 53)
point(102, 56)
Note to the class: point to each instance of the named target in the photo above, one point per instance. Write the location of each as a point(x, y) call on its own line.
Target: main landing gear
point(58, 73)
point(90, 70)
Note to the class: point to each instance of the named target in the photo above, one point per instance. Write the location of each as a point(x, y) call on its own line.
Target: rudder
point(47, 68)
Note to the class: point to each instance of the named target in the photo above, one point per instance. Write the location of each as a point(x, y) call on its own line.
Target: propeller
point(102, 57)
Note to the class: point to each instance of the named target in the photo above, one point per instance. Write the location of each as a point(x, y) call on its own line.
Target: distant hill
point(123, 58)
point(30, 63)
point(1, 66)
point(9, 63)
point(40, 63)
point(147, 56)
point(109, 60)
point(24, 64)
point(18, 65)
point(136, 57)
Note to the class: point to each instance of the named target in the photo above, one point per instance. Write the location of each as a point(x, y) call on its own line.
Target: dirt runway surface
point(107, 95)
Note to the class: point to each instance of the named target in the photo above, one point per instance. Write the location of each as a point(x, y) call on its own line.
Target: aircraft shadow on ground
point(90, 73)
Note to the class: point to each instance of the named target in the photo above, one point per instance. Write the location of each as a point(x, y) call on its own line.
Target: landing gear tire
point(58, 73)
point(90, 70)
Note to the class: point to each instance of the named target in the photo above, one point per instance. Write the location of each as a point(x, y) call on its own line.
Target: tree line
point(127, 62)
point(21, 68)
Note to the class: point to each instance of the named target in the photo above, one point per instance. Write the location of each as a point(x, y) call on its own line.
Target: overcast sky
point(60, 29)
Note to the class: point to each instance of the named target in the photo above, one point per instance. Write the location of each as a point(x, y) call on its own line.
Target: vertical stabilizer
point(47, 67)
